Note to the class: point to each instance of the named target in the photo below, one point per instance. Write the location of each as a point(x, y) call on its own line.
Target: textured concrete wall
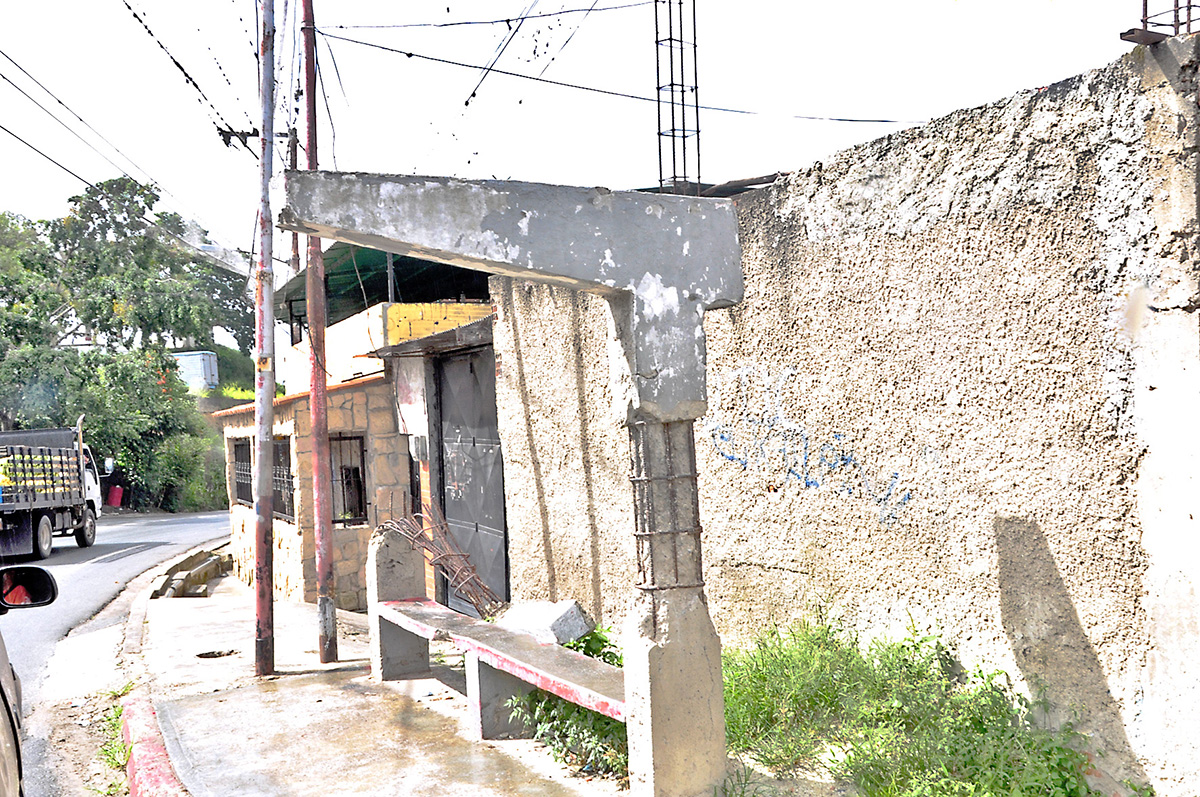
point(568, 503)
point(956, 396)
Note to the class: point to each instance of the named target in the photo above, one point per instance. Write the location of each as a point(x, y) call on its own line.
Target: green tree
point(111, 269)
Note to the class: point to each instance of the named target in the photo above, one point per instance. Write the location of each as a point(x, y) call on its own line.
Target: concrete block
point(549, 622)
point(395, 571)
point(674, 698)
point(488, 693)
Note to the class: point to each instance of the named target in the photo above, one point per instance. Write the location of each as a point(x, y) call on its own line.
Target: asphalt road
point(88, 579)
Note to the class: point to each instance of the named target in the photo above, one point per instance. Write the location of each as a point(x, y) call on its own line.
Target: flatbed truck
point(49, 486)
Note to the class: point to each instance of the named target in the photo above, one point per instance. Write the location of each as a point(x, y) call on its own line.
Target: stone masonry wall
point(954, 398)
point(360, 409)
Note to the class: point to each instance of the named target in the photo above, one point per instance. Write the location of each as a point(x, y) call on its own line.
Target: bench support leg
point(396, 653)
point(394, 572)
point(488, 692)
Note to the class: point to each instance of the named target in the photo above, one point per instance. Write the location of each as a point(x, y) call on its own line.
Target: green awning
point(356, 278)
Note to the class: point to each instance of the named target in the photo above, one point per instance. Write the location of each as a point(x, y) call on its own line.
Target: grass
point(897, 720)
point(114, 752)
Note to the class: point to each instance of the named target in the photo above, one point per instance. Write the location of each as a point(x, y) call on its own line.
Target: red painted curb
point(149, 769)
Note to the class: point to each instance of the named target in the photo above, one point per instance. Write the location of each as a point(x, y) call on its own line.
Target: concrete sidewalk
point(311, 729)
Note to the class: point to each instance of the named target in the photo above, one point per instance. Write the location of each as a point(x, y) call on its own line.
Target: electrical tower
point(678, 100)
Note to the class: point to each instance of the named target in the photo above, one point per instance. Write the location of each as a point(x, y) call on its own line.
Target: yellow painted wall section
point(411, 321)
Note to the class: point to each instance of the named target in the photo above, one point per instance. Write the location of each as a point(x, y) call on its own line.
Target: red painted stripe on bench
point(588, 698)
point(465, 633)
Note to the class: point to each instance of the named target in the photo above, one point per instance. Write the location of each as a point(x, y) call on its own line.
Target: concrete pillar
point(395, 571)
point(673, 688)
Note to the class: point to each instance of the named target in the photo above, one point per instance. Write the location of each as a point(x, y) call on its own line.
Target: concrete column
point(395, 571)
point(673, 687)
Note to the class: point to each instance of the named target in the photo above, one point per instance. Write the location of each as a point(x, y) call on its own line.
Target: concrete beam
point(662, 259)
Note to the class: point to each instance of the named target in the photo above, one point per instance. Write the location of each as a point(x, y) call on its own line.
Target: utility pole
point(293, 164)
point(315, 294)
point(264, 368)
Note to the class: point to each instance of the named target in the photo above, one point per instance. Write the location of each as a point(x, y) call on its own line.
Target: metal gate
point(472, 467)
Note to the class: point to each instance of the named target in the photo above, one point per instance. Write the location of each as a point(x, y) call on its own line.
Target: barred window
point(243, 472)
point(282, 481)
point(346, 470)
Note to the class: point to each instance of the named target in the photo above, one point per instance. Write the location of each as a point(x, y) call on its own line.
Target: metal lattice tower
point(678, 98)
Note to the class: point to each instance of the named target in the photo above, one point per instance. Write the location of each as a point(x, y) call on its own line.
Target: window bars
point(347, 469)
point(282, 483)
point(243, 473)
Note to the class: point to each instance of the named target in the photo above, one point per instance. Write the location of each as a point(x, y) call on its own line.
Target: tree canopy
point(89, 304)
point(113, 271)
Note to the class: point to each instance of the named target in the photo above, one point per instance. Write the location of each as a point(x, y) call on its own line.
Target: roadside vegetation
point(895, 719)
point(89, 304)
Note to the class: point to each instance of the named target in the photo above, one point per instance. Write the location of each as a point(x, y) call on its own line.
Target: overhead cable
point(606, 92)
point(219, 120)
point(504, 21)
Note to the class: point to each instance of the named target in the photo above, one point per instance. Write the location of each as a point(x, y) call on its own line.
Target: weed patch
point(114, 752)
point(583, 739)
point(897, 721)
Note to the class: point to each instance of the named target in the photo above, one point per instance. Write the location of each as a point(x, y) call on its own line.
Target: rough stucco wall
point(955, 396)
point(568, 503)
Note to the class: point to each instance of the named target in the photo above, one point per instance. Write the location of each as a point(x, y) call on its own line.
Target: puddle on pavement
point(333, 733)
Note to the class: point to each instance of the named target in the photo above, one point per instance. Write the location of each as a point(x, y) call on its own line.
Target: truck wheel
point(43, 540)
point(85, 535)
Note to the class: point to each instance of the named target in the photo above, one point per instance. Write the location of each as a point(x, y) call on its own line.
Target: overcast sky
point(904, 60)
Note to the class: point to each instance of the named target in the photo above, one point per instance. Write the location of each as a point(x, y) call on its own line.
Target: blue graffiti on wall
point(764, 437)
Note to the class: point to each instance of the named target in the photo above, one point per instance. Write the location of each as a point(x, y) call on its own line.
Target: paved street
point(88, 579)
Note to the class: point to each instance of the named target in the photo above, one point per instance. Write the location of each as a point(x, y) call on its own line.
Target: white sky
point(890, 59)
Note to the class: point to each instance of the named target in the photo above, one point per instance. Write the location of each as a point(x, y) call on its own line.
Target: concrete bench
point(500, 664)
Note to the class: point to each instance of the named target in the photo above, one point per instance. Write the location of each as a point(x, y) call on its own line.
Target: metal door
point(473, 468)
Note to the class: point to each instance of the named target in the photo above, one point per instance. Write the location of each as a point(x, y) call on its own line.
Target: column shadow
point(1053, 652)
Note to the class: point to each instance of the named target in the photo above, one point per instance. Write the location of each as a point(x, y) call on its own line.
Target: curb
point(149, 771)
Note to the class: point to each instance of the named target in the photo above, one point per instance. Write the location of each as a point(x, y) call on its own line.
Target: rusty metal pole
point(293, 163)
point(315, 290)
point(264, 369)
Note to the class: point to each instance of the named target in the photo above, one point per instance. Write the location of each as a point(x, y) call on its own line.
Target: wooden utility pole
point(315, 295)
point(264, 368)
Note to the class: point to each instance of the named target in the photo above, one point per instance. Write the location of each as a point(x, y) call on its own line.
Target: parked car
point(21, 587)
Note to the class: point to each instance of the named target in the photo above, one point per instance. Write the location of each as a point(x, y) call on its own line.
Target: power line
point(95, 187)
point(187, 76)
point(47, 157)
point(512, 34)
point(77, 116)
point(65, 126)
point(594, 90)
point(505, 21)
point(554, 57)
point(86, 124)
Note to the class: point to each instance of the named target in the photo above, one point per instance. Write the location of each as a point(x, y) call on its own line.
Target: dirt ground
point(76, 734)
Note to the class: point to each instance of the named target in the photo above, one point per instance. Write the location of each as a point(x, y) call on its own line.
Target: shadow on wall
point(1051, 648)
point(535, 462)
point(585, 454)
